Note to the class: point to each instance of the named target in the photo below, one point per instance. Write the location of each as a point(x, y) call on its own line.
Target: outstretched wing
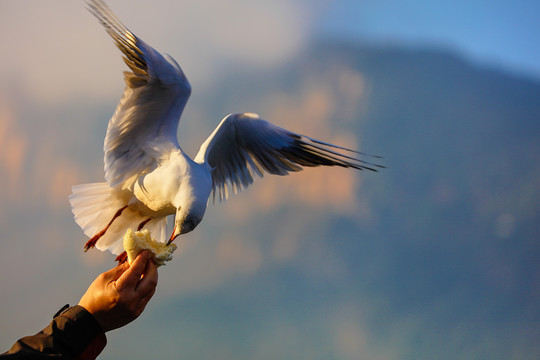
point(244, 144)
point(145, 123)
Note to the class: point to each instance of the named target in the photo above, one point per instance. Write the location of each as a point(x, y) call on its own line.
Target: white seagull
point(149, 177)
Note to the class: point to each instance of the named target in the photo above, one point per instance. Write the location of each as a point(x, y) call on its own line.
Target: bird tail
point(95, 205)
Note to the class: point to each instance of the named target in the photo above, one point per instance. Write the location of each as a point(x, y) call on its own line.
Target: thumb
point(129, 279)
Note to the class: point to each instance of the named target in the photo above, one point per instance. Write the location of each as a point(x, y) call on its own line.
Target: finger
point(115, 273)
point(149, 280)
point(130, 278)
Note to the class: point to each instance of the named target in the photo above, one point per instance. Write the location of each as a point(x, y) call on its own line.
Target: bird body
point(179, 186)
point(171, 184)
point(149, 177)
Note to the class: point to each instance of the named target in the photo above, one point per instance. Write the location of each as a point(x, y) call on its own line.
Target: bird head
point(183, 225)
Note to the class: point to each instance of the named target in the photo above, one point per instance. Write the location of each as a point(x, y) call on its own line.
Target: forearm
point(74, 333)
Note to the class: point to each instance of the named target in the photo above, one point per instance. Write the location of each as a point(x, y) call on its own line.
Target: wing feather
point(144, 126)
point(243, 145)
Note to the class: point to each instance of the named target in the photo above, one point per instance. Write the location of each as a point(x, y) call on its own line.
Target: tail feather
point(95, 204)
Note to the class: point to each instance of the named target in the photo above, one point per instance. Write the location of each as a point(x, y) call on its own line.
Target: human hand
point(119, 296)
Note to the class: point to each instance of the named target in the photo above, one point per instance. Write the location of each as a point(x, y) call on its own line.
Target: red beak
point(172, 236)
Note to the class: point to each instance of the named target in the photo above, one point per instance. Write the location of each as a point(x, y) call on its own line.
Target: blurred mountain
point(443, 249)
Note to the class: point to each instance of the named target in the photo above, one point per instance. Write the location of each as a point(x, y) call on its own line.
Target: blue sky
point(499, 32)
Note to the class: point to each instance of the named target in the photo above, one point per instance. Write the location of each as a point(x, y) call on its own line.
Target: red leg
point(92, 242)
point(122, 258)
point(143, 223)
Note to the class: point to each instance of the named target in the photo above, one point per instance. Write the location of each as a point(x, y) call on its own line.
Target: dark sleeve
point(74, 333)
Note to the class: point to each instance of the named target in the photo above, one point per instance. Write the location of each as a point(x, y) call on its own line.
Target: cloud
point(60, 50)
point(52, 57)
point(351, 335)
point(234, 253)
point(251, 33)
point(504, 225)
point(36, 168)
point(13, 152)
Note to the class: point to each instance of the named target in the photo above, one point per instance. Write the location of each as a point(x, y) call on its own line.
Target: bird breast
point(177, 182)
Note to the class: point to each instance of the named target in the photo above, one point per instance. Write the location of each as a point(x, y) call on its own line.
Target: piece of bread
point(135, 242)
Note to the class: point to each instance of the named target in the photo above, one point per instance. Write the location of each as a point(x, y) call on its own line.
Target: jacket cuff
point(80, 331)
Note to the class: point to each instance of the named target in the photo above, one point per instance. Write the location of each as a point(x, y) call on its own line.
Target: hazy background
point(435, 257)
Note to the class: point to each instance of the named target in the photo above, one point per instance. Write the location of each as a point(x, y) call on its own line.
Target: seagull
point(148, 175)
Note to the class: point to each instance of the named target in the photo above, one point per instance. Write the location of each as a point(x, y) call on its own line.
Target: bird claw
point(92, 242)
point(122, 258)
